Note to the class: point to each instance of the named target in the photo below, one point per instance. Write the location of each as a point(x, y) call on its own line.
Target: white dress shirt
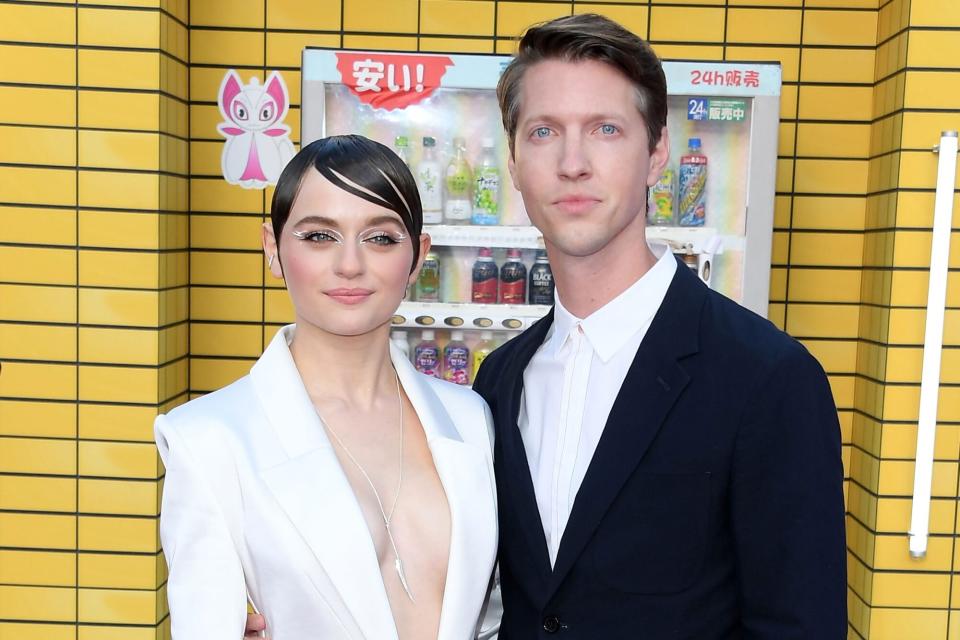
point(581, 359)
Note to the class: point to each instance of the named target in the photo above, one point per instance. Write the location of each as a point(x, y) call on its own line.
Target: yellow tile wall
point(131, 278)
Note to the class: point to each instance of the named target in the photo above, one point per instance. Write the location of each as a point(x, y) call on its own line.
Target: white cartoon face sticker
point(258, 144)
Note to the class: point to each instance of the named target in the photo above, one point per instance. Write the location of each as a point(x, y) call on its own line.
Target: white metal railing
point(933, 343)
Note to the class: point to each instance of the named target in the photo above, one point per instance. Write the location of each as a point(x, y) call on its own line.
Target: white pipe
point(933, 344)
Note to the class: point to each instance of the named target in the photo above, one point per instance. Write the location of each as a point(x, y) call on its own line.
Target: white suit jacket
point(255, 501)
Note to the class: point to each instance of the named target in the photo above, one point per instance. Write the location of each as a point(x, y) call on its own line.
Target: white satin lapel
point(317, 497)
point(467, 476)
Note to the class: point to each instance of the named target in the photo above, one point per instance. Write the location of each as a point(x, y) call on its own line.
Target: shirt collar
point(612, 325)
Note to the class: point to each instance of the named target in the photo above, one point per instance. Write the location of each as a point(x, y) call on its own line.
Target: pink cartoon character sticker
point(258, 144)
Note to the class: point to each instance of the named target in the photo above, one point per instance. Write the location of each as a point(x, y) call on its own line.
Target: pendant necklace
point(387, 516)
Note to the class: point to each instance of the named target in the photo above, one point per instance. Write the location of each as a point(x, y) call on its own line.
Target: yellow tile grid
point(775, 314)
point(893, 516)
point(119, 69)
point(931, 90)
point(216, 195)
point(892, 553)
point(934, 13)
point(319, 15)
point(174, 78)
point(285, 49)
point(49, 604)
point(114, 345)
point(119, 229)
point(174, 342)
point(220, 13)
point(37, 225)
point(921, 130)
point(116, 606)
point(897, 623)
point(119, 307)
point(25, 302)
point(278, 308)
point(835, 103)
point(784, 180)
point(891, 56)
point(119, 150)
point(852, 66)
point(225, 232)
point(173, 380)
point(788, 57)
point(910, 589)
point(768, 3)
point(456, 17)
point(36, 381)
point(127, 460)
point(918, 170)
point(228, 48)
point(38, 418)
point(835, 356)
point(388, 43)
point(106, 571)
point(174, 38)
point(209, 375)
point(119, 497)
point(786, 139)
point(820, 176)
point(119, 110)
point(686, 24)
point(114, 422)
point(635, 18)
point(54, 25)
point(828, 212)
point(33, 145)
point(849, 28)
point(896, 478)
point(778, 283)
point(211, 303)
point(826, 249)
point(118, 534)
point(38, 531)
point(399, 16)
point(766, 26)
point(174, 117)
point(173, 305)
point(269, 331)
point(513, 18)
point(38, 342)
point(455, 45)
point(826, 320)
point(695, 2)
point(225, 340)
point(40, 186)
point(34, 455)
point(119, 384)
point(117, 190)
point(225, 268)
point(842, 387)
point(119, 269)
point(37, 105)
point(40, 493)
point(48, 65)
point(118, 28)
point(38, 568)
point(669, 51)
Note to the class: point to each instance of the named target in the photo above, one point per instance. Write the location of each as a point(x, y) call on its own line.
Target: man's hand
point(255, 624)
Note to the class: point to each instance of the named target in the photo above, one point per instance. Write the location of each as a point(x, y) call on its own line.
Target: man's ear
point(659, 158)
point(512, 168)
point(271, 250)
point(425, 245)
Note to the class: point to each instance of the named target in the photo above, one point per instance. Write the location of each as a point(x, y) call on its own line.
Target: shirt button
point(551, 624)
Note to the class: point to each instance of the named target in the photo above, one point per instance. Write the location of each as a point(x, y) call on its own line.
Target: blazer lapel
point(513, 470)
point(316, 496)
point(653, 383)
point(465, 470)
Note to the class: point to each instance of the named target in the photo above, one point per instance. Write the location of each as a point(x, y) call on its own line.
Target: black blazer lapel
point(653, 384)
point(512, 467)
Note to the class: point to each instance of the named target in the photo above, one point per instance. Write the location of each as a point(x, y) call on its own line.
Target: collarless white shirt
point(571, 383)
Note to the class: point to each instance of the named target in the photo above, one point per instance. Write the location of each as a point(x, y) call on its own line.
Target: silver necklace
point(387, 517)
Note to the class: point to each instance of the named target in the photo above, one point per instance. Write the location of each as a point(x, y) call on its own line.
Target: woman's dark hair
point(582, 37)
point(363, 162)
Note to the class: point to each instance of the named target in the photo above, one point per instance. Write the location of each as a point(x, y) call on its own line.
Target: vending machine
point(487, 276)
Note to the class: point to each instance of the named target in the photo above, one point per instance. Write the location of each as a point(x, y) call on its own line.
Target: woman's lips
point(349, 296)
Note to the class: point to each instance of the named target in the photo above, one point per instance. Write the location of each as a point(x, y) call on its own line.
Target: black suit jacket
point(713, 506)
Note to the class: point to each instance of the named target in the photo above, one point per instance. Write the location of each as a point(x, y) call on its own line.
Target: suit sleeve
point(787, 508)
point(205, 585)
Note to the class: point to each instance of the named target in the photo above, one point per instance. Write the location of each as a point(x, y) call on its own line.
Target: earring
point(270, 261)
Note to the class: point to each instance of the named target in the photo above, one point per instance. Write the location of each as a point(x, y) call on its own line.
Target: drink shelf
point(454, 315)
point(507, 237)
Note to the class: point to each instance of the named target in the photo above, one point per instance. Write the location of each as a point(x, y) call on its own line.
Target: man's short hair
point(588, 37)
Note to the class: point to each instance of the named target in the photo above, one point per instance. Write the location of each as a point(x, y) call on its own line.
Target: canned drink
point(484, 278)
point(513, 279)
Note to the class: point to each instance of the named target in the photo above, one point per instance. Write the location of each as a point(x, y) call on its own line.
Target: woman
point(343, 493)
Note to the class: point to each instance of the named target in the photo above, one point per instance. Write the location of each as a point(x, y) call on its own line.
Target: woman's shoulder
point(211, 416)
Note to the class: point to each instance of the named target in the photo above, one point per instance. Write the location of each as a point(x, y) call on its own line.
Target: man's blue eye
point(541, 132)
point(608, 129)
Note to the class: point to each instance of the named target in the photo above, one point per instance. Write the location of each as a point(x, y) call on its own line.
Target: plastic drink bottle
point(428, 180)
point(486, 192)
point(402, 146)
point(541, 280)
point(399, 339)
point(456, 359)
point(513, 279)
point(426, 355)
point(660, 200)
point(693, 187)
point(480, 352)
point(484, 289)
point(458, 179)
point(428, 282)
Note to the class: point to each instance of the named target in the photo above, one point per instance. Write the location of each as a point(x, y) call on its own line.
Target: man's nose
point(574, 160)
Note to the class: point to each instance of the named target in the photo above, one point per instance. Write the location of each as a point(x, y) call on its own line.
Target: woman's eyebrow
point(321, 220)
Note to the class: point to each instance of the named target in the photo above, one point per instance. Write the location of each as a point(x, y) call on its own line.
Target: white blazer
point(255, 501)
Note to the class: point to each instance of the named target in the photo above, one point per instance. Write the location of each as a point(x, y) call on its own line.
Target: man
point(668, 463)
